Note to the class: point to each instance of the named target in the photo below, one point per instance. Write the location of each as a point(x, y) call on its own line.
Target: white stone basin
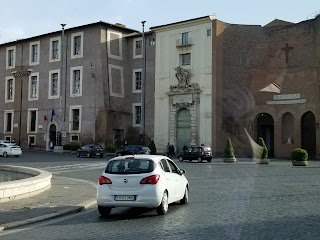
point(23, 188)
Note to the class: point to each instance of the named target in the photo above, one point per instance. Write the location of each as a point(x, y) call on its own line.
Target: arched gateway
point(265, 129)
point(308, 134)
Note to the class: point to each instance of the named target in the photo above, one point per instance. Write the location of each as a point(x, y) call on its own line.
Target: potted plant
point(264, 154)
point(299, 157)
point(229, 156)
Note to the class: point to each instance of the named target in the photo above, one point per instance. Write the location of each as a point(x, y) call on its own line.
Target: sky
point(22, 19)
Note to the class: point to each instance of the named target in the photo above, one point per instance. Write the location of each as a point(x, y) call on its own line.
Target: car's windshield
point(130, 166)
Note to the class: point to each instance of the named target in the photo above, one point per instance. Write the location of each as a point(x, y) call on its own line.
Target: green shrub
point(75, 147)
point(110, 149)
point(152, 147)
point(229, 151)
point(67, 147)
point(299, 154)
point(264, 154)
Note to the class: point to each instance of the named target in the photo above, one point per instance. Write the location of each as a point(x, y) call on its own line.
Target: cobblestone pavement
point(227, 201)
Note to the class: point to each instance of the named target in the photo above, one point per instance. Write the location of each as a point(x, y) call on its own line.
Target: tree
point(229, 151)
point(264, 154)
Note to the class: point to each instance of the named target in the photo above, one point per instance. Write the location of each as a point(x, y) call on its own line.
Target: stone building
point(215, 80)
point(83, 82)
point(267, 82)
point(183, 83)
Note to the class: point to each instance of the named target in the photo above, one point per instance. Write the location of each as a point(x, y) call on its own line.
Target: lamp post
point(93, 75)
point(59, 134)
point(142, 123)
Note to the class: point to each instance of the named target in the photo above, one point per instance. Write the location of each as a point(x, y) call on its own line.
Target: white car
point(10, 149)
point(149, 181)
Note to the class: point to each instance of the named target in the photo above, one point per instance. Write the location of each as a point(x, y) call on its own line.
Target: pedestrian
point(168, 150)
point(173, 150)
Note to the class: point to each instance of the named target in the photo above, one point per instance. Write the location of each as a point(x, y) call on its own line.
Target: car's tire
point(16, 155)
point(209, 159)
point(162, 209)
point(88, 155)
point(119, 154)
point(104, 211)
point(185, 198)
point(5, 154)
point(101, 155)
point(78, 154)
point(180, 159)
point(199, 159)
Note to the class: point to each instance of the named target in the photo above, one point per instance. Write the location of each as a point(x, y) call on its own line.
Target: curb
point(71, 210)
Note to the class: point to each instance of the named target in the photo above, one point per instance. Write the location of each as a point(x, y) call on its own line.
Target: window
point(55, 49)
point(164, 165)
point(54, 82)
point(136, 114)
point(138, 44)
point(184, 38)
point(208, 32)
point(185, 59)
point(33, 87)
point(152, 42)
point(74, 138)
point(173, 167)
point(11, 51)
point(7, 138)
point(34, 55)
point(9, 93)
point(75, 119)
point(76, 82)
point(32, 120)
point(31, 140)
point(77, 45)
point(137, 48)
point(8, 121)
point(137, 77)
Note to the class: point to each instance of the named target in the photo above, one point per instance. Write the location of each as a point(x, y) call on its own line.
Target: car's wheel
point(104, 211)
point(16, 155)
point(5, 154)
point(199, 159)
point(209, 159)
point(180, 159)
point(78, 154)
point(101, 155)
point(185, 198)
point(88, 155)
point(163, 207)
point(119, 154)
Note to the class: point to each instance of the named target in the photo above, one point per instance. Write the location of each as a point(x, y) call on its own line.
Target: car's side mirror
point(182, 171)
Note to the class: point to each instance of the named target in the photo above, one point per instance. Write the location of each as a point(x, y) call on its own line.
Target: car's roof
point(155, 158)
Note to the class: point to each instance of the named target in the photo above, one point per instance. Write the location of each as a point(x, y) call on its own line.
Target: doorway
point(183, 126)
point(265, 129)
point(308, 134)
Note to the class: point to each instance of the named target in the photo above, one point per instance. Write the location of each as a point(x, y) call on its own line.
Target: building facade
point(82, 82)
point(268, 85)
point(183, 83)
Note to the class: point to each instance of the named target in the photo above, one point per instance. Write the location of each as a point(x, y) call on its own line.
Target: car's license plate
point(97, 154)
point(124, 198)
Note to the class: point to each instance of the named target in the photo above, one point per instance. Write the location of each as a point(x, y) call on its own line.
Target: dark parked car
point(199, 153)
point(133, 149)
point(90, 150)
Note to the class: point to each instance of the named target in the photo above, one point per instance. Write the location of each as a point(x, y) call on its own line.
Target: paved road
point(227, 201)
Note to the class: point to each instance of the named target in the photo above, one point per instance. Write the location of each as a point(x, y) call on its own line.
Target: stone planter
point(229, 160)
point(299, 163)
point(263, 161)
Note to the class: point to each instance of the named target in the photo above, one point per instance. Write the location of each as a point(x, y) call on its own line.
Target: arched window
point(287, 128)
